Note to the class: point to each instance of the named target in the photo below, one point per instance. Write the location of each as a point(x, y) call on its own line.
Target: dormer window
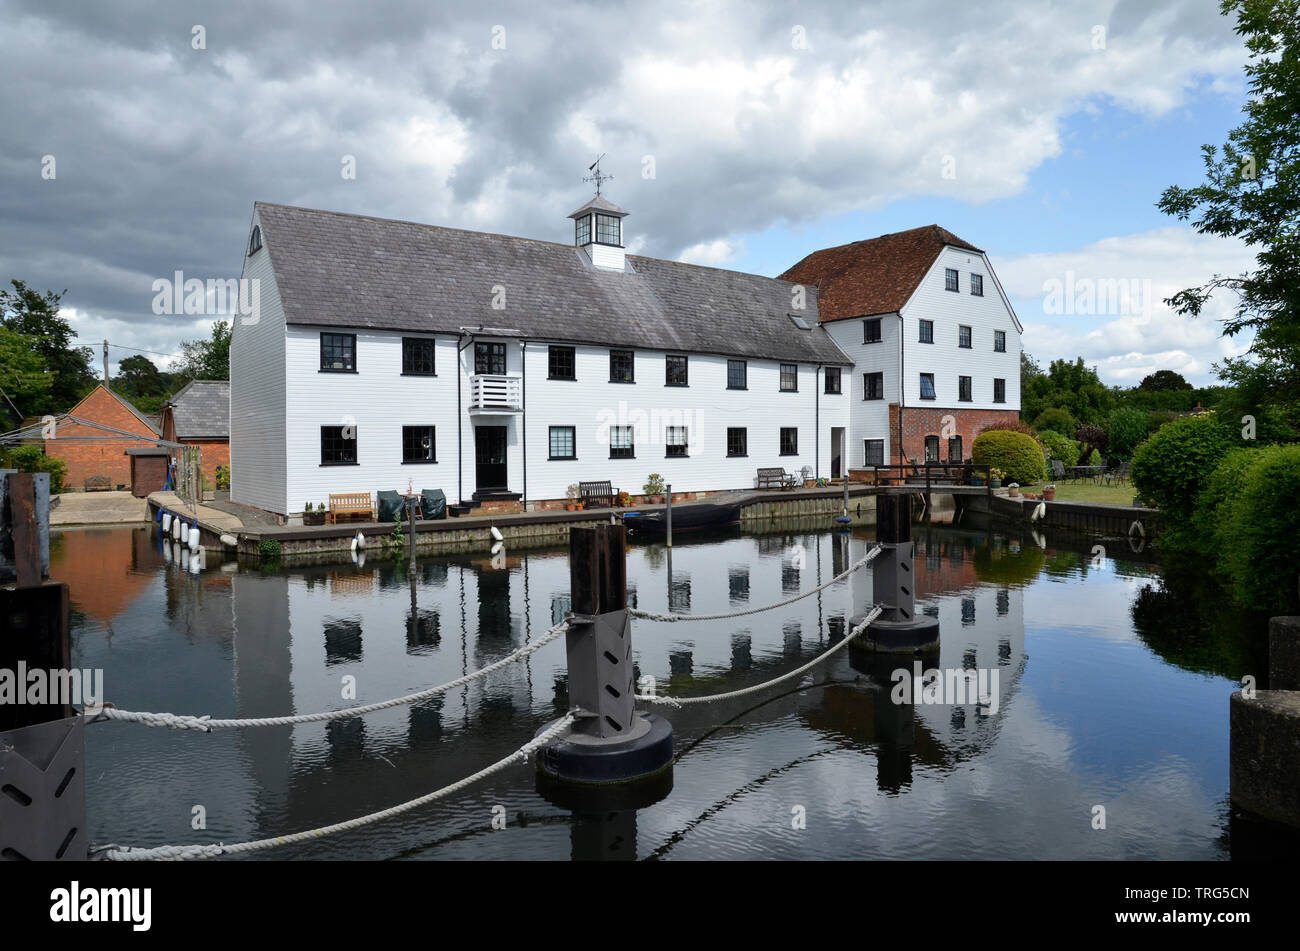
point(255, 240)
point(583, 230)
point(609, 230)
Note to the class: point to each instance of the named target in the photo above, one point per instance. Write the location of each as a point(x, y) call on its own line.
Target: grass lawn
point(1087, 492)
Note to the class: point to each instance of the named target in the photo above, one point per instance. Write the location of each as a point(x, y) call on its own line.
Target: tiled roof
point(337, 270)
point(201, 410)
point(876, 276)
point(134, 412)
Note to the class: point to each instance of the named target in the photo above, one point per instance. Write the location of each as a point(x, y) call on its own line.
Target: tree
point(207, 359)
point(36, 316)
point(23, 375)
point(1164, 380)
point(1252, 192)
point(1073, 387)
point(140, 381)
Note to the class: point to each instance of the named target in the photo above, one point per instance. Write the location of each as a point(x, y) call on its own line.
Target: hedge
point(1173, 465)
point(1257, 531)
point(1019, 456)
point(1060, 447)
point(34, 459)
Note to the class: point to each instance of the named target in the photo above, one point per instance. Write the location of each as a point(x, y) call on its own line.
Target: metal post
point(410, 512)
point(599, 641)
point(668, 517)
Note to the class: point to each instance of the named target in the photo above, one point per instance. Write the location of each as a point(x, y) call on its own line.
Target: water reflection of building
point(106, 569)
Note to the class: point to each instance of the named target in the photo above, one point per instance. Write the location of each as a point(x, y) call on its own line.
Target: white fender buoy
point(167, 522)
point(230, 541)
point(194, 538)
point(176, 527)
point(1039, 511)
point(496, 533)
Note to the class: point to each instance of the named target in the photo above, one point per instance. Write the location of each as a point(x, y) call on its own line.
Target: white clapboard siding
point(869, 419)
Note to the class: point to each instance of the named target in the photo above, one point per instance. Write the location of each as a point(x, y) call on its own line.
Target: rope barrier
point(180, 853)
point(652, 616)
point(206, 724)
point(732, 694)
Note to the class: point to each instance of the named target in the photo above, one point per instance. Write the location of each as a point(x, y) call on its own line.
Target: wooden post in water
point(668, 513)
point(43, 811)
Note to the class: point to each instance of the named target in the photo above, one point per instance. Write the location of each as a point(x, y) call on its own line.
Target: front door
point(489, 457)
point(837, 444)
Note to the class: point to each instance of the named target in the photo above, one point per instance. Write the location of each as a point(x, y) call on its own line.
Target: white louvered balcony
point(493, 393)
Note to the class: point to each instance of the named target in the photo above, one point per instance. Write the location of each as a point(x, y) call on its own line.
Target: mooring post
point(43, 810)
point(894, 582)
point(611, 742)
point(411, 501)
point(668, 516)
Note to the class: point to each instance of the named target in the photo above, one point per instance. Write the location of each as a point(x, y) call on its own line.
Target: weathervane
point(596, 175)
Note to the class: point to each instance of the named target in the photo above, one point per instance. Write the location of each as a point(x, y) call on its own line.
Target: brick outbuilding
point(89, 451)
point(199, 415)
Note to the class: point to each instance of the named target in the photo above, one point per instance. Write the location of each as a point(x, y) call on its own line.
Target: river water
point(1107, 737)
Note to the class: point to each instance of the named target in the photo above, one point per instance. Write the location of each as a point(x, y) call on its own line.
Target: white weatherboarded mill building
point(503, 369)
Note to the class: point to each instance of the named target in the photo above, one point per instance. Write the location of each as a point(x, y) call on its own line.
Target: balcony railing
point(496, 393)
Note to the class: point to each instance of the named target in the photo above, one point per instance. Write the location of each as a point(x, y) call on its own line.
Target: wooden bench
point(350, 504)
point(590, 492)
point(776, 478)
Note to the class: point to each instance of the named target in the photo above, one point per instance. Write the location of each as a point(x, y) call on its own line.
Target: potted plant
point(995, 477)
point(1013, 490)
point(313, 514)
point(572, 492)
point(654, 487)
point(1049, 493)
point(625, 499)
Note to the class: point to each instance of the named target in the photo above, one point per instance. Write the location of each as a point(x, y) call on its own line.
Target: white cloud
point(1127, 342)
point(713, 253)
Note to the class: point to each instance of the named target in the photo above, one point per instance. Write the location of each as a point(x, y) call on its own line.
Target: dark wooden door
point(490, 457)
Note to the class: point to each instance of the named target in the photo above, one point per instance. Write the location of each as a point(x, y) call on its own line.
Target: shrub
point(1094, 458)
point(654, 484)
point(34, 459)
point(268, 549)
point(1091, 438)
point(1018, 455)
point(1210, 517)
point(1172, 465)
point(1055, 419)
point(223, 478)
point(1160, 418)
point(1258, 535)
point(1060, 447)
point(1018, 426)
point(1125, 429)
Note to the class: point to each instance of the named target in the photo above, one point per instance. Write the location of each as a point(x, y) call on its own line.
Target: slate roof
point(876, 276)
point(337, 270)
point(600, 203)
point(201, 410)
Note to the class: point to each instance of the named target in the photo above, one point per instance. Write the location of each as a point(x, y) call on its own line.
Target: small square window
point(873, 386)
point(927, 386)
point(871, 330)
point(789, 377)
point(582, 230)
point(338, 353)
point(418, 444)
point(620, 443)
point(1000, 341)
point(490, 358)
point(789, 440)
point(675, 441)
point(737, 375)
point(963, 389)
point(977, 285)
point(832, 379)
point(417, 356)
point(675, 370)
point(562, 442)
point(560, 363)
point(338, 448)
point(608, 230)
point(963, 336)
point(621, 366)
point(950, 279)
point(737, 441)
point(999, 391)
point(927, 331)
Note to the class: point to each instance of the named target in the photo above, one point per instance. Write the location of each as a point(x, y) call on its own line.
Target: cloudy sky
point(741, 135)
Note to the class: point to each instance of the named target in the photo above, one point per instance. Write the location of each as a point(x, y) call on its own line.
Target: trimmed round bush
point(1017, 455)
point(1125, 429)
point(1173, 465)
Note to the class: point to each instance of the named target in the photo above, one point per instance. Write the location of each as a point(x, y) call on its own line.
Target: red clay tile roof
point(876, 276)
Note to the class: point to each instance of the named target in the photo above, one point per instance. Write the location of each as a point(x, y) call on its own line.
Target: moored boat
point(691, 517)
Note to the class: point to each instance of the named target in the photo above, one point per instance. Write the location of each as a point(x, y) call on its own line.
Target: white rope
point(652, 616)
point(177, 853)
point(712, 698)
point(206, 724)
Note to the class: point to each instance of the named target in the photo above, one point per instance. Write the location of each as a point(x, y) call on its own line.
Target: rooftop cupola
point(598, 227)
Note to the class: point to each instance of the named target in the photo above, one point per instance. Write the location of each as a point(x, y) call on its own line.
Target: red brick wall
point(86, 459)
point(216, 452)
point(922, 421)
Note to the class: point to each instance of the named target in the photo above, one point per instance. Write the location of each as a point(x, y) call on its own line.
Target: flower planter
point(313, 518)
point(571, 507)
point(1049, 495)
point(1014, 492)
point(995, 483)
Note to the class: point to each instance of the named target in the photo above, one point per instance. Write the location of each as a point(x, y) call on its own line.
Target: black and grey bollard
point(898, 629)
point(612, 742)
